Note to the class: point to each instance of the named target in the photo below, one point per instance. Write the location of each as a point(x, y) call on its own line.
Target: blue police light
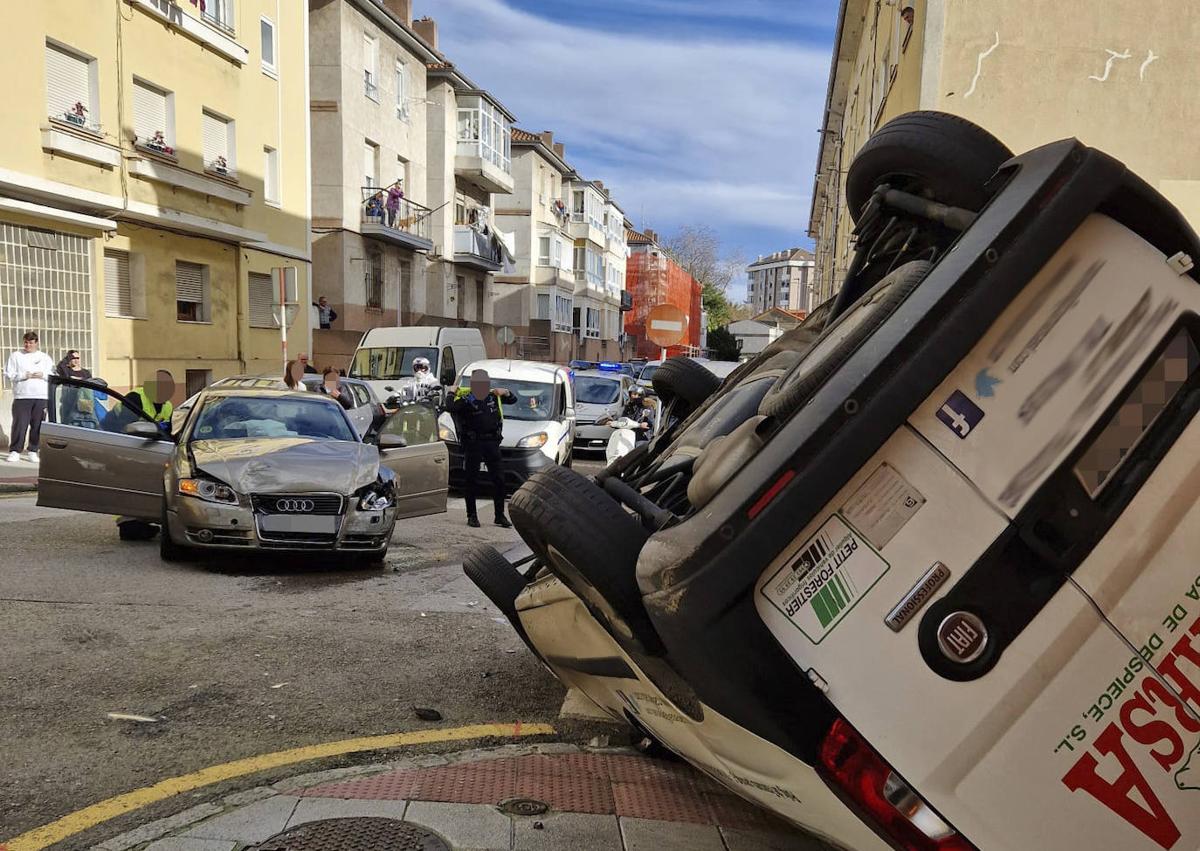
point(610, 367)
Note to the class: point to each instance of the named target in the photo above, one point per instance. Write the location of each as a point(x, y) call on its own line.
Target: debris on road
point(426, 714)
point(279, 685)
point(129, 716)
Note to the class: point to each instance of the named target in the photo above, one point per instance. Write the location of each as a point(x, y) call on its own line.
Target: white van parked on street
point(384, 358)
point(539, 429)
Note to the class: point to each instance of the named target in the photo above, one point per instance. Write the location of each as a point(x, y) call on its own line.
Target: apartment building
point(155, 170)
point(1030, 73)
point(653, 278)
point(565, 294)
point(408, 154)
point(781, 279)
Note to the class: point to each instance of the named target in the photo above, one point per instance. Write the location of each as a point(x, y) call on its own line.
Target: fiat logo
point(962, 637)
point(294, 506)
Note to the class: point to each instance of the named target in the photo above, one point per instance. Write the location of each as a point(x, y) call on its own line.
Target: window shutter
point(189, 282)
point(118, 292)
point(215, 139)
point(66, 82)
point(262, 314)
point(369, 176)
point(149, 112)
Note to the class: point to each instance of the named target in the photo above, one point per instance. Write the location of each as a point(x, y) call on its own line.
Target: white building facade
point(783, 279)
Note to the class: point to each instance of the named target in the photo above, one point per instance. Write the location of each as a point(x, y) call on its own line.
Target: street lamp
point(285, 300)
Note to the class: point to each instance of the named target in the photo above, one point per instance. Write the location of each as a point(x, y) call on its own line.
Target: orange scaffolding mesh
point(652, 278)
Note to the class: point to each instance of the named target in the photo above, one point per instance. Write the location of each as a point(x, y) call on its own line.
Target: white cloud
point(708, 130)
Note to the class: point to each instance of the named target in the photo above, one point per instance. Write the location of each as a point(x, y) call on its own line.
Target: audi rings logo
point(294, 506)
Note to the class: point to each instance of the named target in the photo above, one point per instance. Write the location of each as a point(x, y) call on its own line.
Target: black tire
point(591, 544)
point(496, 577)
point(168, 550)
point(939, 156)
point(840, 340)
point(684, 379)
point(135, 530)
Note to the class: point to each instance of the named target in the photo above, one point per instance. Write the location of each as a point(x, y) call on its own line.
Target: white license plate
point(325, 524)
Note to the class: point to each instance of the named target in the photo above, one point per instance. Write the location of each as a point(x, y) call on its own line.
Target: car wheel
point(684, 379)
point(840, 340)
point(591, 544)
point(135, 530)
point(168, 550)
point(496, 577)
point(933, 154)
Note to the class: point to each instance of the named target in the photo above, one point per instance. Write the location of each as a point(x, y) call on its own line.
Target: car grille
point(296, 540)
point(297, 503)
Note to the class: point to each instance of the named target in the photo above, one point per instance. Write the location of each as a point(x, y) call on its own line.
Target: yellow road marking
point(88, 817)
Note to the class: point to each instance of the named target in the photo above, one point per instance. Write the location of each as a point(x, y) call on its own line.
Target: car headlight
point(208, 490)
point(533, 441)
point(372, 501)
point(446, 433)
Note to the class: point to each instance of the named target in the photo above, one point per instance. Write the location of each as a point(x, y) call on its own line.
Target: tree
point(697, 248)
point(722, 345)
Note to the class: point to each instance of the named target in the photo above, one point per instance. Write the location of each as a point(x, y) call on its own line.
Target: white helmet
point(420, 363)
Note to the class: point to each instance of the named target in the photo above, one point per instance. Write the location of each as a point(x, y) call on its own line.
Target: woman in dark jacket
point(78, 404)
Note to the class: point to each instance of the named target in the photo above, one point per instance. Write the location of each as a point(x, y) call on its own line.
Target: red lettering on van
point(1154, 821)
point(1151, 732)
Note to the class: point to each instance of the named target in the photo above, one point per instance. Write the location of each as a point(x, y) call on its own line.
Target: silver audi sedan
point(251, 468)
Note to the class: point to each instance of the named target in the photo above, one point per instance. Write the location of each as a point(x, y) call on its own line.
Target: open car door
point(421, 466)
point(91, 462)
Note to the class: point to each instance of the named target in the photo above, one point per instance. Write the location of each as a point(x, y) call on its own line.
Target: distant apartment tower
point(782, 279)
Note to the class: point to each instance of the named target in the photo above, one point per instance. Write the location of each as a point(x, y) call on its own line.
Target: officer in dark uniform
point(479, 418)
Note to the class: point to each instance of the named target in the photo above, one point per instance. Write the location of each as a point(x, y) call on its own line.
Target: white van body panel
point(466, 344)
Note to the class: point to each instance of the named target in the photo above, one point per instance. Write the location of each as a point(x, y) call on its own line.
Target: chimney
point(561, 150)
point(402, 9)
point(653, 236)
point(426, 28)
point(547, 138)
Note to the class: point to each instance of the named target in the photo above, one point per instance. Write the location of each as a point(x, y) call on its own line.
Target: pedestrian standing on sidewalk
point(77, 405)
point(479, 419)
point(28, 370)
point(308, 370)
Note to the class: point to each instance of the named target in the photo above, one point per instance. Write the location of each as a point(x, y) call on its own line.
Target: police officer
point(154, 400)
point(479, 417)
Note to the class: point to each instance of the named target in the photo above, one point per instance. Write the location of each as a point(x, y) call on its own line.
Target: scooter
point(623, 440)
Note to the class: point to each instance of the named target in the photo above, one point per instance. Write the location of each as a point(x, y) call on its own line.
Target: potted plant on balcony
point(158, 143)
point(219, 166)
point(77, 115)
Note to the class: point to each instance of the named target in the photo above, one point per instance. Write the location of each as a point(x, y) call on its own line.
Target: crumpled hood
point(288, 464)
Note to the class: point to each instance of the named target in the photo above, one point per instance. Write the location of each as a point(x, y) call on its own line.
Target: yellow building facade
point(155, 170)
point(1119, 76)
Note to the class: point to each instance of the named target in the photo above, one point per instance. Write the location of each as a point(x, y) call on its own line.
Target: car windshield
point(535, 399)
point(385, 364)
point(236, 417)
point(596, 391)
point(648, 372)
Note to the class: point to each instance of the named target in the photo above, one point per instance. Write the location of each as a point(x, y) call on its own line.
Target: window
point(542, 308)
point(370, 164)
point(153, 117)
point(543, 251)
point(219, 13)
point(563, 310)
point(196, 380)
point(262, 301)
point(124, 289)
point(371, 67)
point(271, 175)
point(191, 292)
point(592, 318)
point(374, 281)
point(217, 142)
point(484, 131)
point(71, 87)
point(267, 39)
point(401, 91)
point(447, 369)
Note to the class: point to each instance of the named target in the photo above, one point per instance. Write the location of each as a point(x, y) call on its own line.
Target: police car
point(601, 395)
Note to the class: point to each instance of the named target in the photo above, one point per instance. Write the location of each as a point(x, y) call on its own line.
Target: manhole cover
point(523, 807)
point(354, 834)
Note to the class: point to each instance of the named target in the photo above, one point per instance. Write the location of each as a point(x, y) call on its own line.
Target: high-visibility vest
point(463, 392)
point(148, 406)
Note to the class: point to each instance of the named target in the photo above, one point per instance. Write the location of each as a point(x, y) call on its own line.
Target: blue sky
point(691, 111)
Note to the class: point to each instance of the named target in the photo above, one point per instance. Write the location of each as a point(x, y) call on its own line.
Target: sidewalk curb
point(17, 487)
point(179, 822)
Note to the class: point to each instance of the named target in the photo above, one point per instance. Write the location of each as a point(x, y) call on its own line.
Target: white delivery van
point(384, 358)
point(539, 428)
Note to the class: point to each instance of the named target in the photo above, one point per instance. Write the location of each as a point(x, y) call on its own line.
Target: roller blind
point(149, 112)
point(214, 134)
point(189, 282)
point(261, 291)
point(118, 292)
point(67, 82)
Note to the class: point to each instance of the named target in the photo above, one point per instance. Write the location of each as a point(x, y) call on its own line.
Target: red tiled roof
point(519, 135)
point(439, 66)
point(633, 237)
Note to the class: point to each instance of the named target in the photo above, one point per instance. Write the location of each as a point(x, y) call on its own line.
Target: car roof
point(317, 378)
point(266, 392)
point(520, 370)
point(614, 374)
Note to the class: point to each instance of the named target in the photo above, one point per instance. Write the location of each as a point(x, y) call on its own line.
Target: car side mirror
point(392, 441)
point(569, 413)
point(447, 377)
point(141, 428)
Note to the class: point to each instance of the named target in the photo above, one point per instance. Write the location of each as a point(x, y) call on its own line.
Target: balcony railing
point(401, 215)
point(370, 87)
point(471, 244)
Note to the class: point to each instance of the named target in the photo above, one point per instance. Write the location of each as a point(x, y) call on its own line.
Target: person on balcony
point(394, 195)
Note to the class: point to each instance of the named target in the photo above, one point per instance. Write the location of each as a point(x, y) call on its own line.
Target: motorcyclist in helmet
point(422, 373)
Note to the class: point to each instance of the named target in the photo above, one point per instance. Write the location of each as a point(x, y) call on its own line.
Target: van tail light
point(880, 796)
